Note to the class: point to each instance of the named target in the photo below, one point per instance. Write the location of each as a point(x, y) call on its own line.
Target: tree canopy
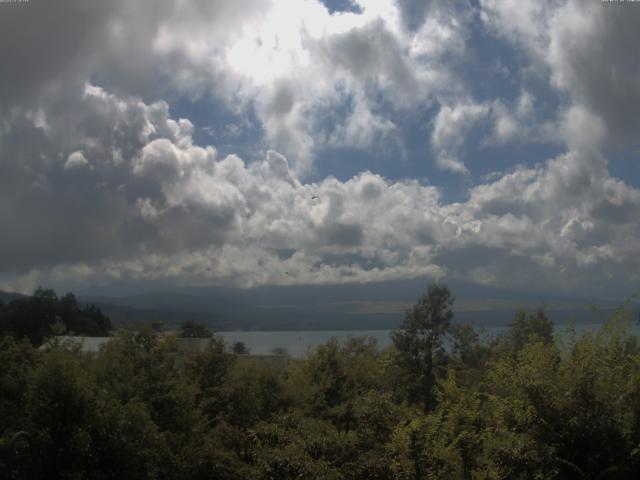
point(44, 314)
point(529, 404)
point(419, 343)
point(192, 329)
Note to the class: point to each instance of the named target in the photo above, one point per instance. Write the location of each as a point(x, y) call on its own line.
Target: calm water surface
point(298, 343)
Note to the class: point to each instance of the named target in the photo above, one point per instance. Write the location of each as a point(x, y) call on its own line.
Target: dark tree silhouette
point(42, 314)
point(191, 329)
point(239, 348)
point(420, 352)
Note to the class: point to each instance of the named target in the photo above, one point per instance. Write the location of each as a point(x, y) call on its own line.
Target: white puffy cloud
point(362, 127)
point(584, 50)
point(509, 122)
point(568, 209)
point(291, 63)
point(76, 160)
point(102, 183)
point(167, 209)
point(452, 125)
point(517, 122)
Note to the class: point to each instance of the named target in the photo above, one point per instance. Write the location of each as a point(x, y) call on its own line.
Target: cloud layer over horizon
point(526, 107)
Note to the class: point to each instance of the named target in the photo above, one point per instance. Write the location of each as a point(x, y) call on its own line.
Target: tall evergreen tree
point(419, 343)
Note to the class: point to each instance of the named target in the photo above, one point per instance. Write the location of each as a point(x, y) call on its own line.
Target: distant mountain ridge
point(339, 307)
point(329, 307)
point(8, 296)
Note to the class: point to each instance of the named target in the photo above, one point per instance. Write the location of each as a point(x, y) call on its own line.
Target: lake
point(298, 343)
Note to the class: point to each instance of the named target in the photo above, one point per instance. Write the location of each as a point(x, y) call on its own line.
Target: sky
point(308, 142)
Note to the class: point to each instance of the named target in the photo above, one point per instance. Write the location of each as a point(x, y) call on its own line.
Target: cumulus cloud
point(167, 209)
point(100, 182)
point(508, 122)
point(452, 125)
point(288, 63)
point(584, 50)
point(362, 127)
point(76, 160)
point(517, 122)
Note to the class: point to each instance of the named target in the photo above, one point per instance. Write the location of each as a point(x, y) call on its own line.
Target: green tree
point(446, 443)
point(525, 328)
point(280, 351)
point(192, 329)
point(210, 371)
point(419, 344)
point(32, 317)
point(253, 392)
point(17, 361)
point(239, 348)
point(59, 403)
point(296, 446)
point(43, 314)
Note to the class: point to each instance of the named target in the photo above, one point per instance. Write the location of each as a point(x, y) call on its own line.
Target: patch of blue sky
point(492, 70)
point(414, 162)
point(215, 124)
point(496, 70)
point(625, 165)
point(491, 67)
point(403, 155)
point(341, 6)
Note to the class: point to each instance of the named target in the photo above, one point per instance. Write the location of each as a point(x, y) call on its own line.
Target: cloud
point(153, 197)
point(554, 210)
point(362, 127)
point(100, 181)
point(452, 125)
point(167, 209)
point(582, 129)
point(47, 191)
point(591, 56)
point(76, 160)
point(46, 47)
point(509, 122)
point(287, 65)
point(517, 122)
point(583, 50)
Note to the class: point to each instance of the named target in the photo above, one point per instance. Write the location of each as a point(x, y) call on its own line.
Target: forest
point(441, 402)
point(44, 314)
